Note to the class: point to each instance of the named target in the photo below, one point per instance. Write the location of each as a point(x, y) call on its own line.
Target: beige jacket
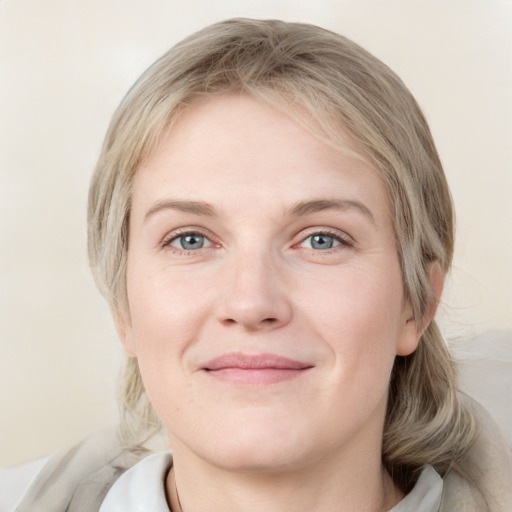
point(489, 464)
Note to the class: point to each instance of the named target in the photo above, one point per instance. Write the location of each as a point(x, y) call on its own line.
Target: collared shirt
point(142, 489)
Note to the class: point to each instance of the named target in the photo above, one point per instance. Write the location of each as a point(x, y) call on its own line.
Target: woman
point(271, 226)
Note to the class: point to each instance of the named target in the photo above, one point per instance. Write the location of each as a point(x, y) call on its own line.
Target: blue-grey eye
point(190, 242)
point(320, 241)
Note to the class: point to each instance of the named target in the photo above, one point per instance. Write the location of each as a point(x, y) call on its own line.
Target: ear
point(411, 332)
point(124, 330)
point(436, 275)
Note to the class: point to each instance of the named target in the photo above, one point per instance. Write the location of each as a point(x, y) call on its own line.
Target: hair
point(313, 75)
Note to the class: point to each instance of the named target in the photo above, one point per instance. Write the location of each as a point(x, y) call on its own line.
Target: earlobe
point(411, 331)
point(124, 331)
point(409, 336)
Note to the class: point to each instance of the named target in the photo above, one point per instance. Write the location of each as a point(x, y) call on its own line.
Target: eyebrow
point(318, 205)
point(298, 210)
point(195, 207)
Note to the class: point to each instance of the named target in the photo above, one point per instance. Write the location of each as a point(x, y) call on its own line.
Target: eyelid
point(189, 230)
point(345, 239)
point(206, 241)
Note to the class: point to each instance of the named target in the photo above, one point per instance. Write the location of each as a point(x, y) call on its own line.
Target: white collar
point(425, 495)
point(142, 489)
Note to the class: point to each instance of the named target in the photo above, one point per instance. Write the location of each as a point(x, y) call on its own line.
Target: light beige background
point(64, 65)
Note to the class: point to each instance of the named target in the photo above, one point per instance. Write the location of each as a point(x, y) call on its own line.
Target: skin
point(260, 285)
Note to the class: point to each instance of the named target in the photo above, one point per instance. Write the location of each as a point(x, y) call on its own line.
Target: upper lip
point(254, 362)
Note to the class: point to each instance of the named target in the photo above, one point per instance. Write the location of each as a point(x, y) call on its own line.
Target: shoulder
point(81, 474)
point(487, 483)
point(15, 482)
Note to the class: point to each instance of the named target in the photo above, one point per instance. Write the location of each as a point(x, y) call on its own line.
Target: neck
point(322, 487)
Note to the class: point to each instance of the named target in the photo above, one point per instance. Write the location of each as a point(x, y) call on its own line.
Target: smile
point(254, 369)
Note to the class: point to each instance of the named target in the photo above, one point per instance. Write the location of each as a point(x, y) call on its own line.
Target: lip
point(259, 369)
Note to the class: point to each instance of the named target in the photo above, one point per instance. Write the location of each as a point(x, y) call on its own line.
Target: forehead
point(234, 144)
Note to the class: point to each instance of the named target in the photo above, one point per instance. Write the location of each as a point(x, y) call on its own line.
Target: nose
point(253, 295)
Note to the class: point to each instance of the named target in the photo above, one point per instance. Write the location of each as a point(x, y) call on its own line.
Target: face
point(264, 289)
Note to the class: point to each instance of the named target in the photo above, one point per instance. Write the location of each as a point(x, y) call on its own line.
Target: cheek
point(170, 308)
point(166, 306)
point(359, 315)
point(165, 317)
point(356, 300)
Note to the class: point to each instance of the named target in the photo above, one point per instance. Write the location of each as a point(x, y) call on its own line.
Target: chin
point(252, 446)
point(259, 458)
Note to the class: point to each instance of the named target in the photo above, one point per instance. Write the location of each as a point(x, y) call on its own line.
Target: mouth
point(260, 369)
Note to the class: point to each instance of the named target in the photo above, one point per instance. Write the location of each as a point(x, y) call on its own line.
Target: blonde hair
point(303, 68)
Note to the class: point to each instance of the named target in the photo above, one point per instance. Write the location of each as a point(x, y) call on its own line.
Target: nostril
point(270, 321)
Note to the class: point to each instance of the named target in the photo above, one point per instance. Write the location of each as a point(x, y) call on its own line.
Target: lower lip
point(256, 376)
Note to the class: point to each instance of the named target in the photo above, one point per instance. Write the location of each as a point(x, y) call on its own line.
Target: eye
point(323, 241)
point(190, 242)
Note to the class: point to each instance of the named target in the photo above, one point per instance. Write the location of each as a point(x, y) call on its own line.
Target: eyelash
point(344, 240)
point(167, 241)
